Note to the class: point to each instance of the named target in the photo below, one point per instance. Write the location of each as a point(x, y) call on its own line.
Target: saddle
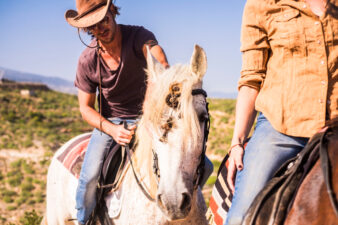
point(110, 177)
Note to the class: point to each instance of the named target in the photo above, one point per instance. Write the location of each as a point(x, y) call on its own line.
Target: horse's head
point(172, 129)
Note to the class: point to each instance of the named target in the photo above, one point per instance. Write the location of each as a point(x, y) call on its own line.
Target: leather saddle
point(111, 173)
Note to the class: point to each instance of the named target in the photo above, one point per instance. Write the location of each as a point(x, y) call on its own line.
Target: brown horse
point(312, 204)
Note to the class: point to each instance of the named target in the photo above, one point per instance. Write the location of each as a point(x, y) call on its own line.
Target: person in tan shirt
point(289, 75)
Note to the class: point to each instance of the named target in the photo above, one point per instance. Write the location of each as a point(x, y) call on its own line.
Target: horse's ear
point(154, 68)
point(198, 63)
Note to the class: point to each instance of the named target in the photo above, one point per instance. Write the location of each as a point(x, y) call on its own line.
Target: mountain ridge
point(66, 86)
point(55, 83)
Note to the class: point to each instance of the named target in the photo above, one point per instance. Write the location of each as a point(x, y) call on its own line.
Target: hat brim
point(87, 20)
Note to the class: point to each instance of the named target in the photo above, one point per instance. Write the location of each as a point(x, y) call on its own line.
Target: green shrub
point(36, 181)
point(7, 199)
point(16, 164)
point(15, 180)
point(27, 186)
point(26, 194)
point(44, 162)
point(39, 196)
point(29, 179)
point(2, 219)
point(19, 201)
point(27, 143)
point(13, 173)
point(11, 207)
point(8, 193)
point(28, 168)
point(31, 218)
point(10, 116)
point(43, 184)
point(31, 202)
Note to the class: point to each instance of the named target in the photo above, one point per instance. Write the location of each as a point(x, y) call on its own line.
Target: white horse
point(171, 127)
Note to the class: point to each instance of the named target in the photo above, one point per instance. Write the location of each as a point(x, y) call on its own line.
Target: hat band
point(90, 10)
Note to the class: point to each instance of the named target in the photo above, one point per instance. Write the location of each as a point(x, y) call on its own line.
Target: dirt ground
point(7, 156)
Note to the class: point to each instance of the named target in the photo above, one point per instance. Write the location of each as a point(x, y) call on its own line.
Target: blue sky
point(36, 38)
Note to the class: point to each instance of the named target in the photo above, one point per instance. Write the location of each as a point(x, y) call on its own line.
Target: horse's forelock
point(155, 107)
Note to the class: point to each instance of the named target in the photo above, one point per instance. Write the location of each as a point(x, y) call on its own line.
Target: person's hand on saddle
point(122, 135)
point(236, 153)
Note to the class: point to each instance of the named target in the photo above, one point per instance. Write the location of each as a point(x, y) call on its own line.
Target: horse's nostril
point(186, 201)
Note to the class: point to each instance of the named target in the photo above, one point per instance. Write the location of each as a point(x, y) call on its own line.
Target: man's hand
point(235, 163)
point(121, 135)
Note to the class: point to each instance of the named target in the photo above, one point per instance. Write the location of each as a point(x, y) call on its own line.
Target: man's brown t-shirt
point(122, 89)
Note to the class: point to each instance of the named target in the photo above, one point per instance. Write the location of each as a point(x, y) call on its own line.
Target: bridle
point(172, 101)
point(200, 167)
point(156, 169)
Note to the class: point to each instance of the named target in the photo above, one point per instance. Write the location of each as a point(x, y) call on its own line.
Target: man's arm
point(157, 52)
point(92, 117)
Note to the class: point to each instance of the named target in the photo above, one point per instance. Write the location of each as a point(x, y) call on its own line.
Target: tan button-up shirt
point(290, 56)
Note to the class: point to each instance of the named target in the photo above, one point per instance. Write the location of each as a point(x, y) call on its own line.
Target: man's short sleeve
point(83, 79)
point(142, 37)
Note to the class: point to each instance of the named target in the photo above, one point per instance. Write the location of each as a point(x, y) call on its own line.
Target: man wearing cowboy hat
point(114, 64)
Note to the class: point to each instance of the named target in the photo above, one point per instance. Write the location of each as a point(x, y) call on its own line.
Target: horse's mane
point(156, 111)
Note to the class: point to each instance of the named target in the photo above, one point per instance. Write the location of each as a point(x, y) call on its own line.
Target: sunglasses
point(103, 22)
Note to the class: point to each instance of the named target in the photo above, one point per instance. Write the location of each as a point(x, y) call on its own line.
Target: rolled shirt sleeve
point(254, 46)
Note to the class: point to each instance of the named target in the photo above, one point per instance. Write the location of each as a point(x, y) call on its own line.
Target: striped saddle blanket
point(221, 197)
point(72, 157)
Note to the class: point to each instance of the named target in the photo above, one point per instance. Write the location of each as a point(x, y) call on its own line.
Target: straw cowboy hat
point(89, 12)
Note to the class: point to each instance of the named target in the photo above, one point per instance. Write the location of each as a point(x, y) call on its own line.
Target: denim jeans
point(266, 151)
point(86, 191)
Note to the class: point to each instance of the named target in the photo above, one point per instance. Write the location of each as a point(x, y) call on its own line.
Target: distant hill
point(54, 83)
point(65, 86)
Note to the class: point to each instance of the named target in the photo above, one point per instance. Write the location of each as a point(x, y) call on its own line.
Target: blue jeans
point(96, 150)
point(266, 151)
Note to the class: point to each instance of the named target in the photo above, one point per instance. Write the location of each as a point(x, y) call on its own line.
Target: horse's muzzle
point(175, 206)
